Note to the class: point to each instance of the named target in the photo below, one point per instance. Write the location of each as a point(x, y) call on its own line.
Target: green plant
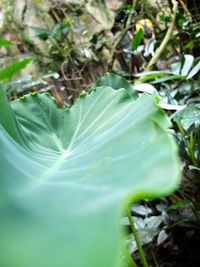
point(188, 123)
point(177, 71)
point(67, 175)
point(7, 72)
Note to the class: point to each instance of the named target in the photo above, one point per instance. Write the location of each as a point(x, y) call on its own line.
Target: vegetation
point(99, 133)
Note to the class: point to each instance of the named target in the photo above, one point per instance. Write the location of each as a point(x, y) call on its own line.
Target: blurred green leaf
point(188, 62)
point(168, 78)
point(165, 18)
point(194, 71)
point(189, 116)
point(13, 68)
point(5, 43)
point(116, 82)
point(56, 31)
point(137, 39)
point(41, 33)
point(179, 204)
point(67, 174)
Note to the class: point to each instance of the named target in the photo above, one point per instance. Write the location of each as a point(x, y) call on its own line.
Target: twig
point(122, 35)
point(189, 17)
point(129, 258)
point(165, 40)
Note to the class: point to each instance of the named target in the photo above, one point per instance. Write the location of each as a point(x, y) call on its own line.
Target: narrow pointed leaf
point(194, 71)
point(13, 68)
point(5, 43)
point(188, 62)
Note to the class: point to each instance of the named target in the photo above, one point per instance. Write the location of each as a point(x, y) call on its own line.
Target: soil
point(181, 249)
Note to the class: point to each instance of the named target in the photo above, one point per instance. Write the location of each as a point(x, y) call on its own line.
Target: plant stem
point(165, 40)
point(137, 240)
point(121, 36)
point(130, 258)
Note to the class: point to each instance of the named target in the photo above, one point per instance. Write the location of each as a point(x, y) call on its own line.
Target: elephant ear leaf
point(65, 175)
point(116, 82)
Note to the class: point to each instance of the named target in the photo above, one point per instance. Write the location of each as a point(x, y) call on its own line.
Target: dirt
point(181, 249)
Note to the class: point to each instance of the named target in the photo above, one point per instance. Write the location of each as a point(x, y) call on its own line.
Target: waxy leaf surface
point(66, 175)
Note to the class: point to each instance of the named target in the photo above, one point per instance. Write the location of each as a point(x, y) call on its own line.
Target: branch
point(166, 39)
point(121, 36)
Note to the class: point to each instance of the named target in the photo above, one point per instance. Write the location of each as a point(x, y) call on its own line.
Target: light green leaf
point(140, 209)
point(168, 78)
point(145, 88)
point(194, 71)
point(147, 229)
point(188, 62)
point(162, 237)
point(189, 116)
point(116, 82)
point(150, 75)
point(13, 68)
point(66, 175)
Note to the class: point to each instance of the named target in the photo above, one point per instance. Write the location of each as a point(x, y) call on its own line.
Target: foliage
point(13, 68)
point(73, 44)
point(67, 174)
point(176, 71)
point(188, 122)
point(5, 43)
point(116, 82)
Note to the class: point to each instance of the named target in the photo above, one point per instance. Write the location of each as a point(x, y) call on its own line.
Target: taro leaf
point(13, 68)
point(67, 174)
point(116, 82)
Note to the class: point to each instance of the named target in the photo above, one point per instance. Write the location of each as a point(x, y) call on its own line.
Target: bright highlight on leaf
point(65, 175)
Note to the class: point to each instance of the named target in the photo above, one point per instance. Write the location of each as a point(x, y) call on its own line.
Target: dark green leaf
point(41, 33)
point(137, 39)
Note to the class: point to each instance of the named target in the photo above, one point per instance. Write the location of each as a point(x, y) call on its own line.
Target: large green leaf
point(66, 175)
point(116, 82)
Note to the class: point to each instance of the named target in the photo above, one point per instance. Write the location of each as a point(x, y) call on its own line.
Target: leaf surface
point(67, 174)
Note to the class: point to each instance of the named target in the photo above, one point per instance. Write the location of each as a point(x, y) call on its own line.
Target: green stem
point(137, 240)
point(130, 258)
point(191, 148)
